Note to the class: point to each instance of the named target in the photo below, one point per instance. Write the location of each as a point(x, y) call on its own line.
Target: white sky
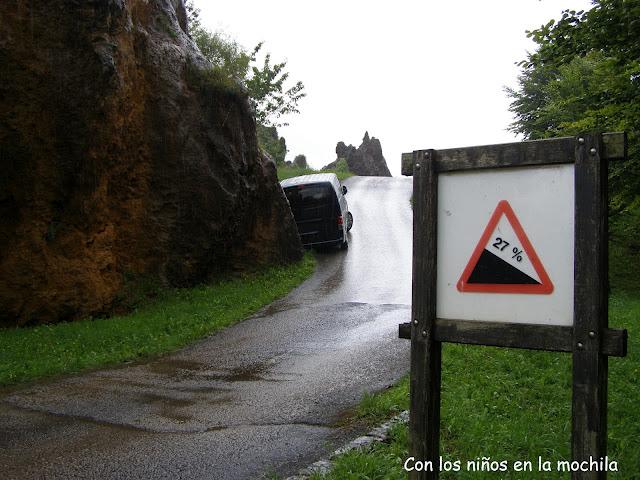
point(415, 74)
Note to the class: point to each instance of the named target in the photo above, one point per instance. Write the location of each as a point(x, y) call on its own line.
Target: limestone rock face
point(367, 159)
point(120, 158)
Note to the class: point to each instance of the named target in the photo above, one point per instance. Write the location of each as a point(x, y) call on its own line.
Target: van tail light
point(340, 220)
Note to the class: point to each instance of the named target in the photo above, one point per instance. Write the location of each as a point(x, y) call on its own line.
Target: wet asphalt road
point(260, 397)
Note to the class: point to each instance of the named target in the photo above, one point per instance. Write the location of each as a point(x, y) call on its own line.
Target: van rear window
point(309, 195)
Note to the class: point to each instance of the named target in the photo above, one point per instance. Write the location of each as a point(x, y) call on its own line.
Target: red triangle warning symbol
point(504, 260)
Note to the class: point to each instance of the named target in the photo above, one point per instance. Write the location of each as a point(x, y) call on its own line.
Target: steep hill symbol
point(504, 261)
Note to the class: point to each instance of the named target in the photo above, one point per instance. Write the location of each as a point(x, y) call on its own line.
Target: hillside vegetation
point(287, 171)
point(585, 77)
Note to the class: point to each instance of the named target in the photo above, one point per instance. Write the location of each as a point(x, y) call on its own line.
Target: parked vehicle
point(319, 208)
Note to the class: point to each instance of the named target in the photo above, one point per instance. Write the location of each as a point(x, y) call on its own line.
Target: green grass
point(510, 404)
point(177, 317)
point(287, 172)
point(374, 409)
point(379, 462)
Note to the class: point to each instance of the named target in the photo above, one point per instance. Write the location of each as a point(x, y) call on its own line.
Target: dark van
point(319, 208)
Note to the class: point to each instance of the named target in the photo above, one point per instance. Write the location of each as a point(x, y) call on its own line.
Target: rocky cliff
point(367, 159)
point(121, 157)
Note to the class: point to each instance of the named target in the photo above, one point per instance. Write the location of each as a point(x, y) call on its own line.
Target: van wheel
point(349, 221)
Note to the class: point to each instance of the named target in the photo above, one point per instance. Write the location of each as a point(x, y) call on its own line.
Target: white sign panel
point(506, 245)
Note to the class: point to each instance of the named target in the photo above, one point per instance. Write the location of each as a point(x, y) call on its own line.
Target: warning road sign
point(505, 245)
point(504, 261)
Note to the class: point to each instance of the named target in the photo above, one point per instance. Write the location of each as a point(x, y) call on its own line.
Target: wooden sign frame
point(589, 340)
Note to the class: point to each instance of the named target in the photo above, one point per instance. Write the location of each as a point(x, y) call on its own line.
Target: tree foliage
point(272, 143)
point(266, 83)
point(267, 91)
point(300, 161)
point(585, 77)
point(223, 52)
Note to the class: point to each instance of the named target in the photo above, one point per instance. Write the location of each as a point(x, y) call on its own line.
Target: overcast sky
point(415, 74)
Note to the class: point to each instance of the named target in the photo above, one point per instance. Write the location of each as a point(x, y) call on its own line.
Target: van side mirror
point(344, 190)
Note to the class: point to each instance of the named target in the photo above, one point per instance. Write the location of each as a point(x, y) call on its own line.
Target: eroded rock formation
point(121, 158)
point(367, 159)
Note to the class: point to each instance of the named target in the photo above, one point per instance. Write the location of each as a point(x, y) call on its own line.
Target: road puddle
point(175, 367)
point(179, 369)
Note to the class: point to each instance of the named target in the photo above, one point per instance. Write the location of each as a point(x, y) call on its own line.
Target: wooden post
point(589, 430)
point(425, 350)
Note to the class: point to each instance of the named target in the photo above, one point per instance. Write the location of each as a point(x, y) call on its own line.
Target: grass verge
point(177, 317)
point(509, 404)
point(287, 172)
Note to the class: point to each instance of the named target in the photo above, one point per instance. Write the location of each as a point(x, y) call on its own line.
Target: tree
point(223, 52)
point(272, 143)
point(585, 76)
point(266, 90)
point(300, 161)
point(266, 84)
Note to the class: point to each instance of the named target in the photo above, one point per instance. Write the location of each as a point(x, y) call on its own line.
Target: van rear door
point(314, 207)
